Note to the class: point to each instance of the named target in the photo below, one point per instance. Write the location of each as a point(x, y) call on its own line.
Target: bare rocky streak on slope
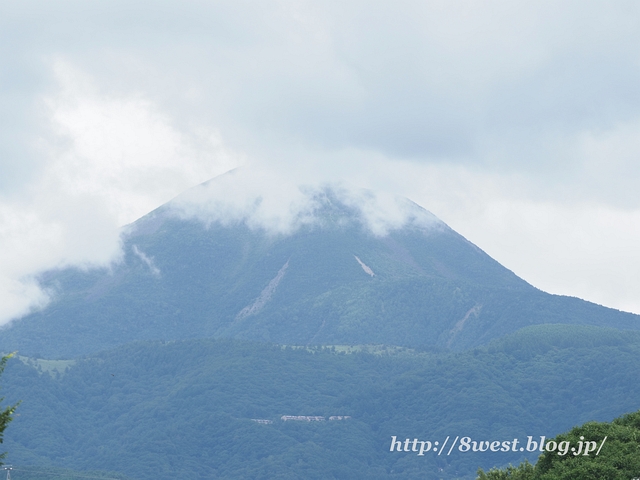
point(265, 295)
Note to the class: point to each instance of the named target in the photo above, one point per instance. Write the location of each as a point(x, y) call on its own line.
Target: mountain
point(330, 279)
point(219, 314)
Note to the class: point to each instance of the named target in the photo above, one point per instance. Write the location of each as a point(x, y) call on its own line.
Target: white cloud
point(280, 202)
point(124, 151)
point(108, 162)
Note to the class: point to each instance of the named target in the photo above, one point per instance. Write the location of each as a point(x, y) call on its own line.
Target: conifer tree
point(6, 415)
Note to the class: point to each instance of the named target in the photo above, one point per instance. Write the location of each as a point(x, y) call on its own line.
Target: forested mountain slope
point(158, 410)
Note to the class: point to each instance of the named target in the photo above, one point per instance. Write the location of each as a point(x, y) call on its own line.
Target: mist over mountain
point(312, 266)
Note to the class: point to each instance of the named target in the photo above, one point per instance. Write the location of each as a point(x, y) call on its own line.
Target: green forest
point(620, 460)
point(156, 410)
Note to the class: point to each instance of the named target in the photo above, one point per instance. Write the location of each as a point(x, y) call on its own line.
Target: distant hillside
point(155, 411)
point(331, 281)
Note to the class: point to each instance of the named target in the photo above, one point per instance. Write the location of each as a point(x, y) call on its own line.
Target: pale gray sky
point(517, 123)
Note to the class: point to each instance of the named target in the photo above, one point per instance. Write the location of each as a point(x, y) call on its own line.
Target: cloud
point(124, 151)
point(280, 203)
point(500, 84)
point(474, 110)
point(107, 162)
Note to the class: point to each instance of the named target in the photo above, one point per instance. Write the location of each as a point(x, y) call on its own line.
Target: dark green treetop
point(6, 415)
point(619, 458)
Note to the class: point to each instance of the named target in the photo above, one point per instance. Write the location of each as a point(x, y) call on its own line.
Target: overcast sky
point(516, 123)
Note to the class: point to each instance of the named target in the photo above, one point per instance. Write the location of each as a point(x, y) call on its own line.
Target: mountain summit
point(335, 268)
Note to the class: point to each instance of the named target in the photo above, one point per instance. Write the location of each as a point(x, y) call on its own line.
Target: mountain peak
point(278, 206)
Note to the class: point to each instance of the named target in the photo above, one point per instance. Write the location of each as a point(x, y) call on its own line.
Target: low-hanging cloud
point(277, 203)
point(108, 161)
